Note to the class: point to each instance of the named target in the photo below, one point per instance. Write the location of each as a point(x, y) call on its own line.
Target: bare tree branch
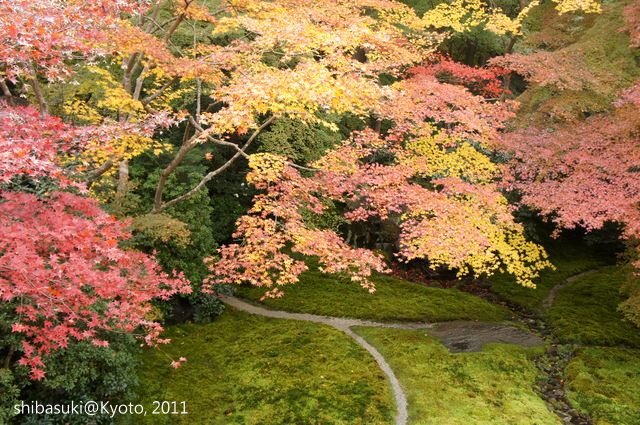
point(95, 174)
point(160, 206)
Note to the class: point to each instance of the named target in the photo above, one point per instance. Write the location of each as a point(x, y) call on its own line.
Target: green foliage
point(160, 228)
point(7, 337)
point(84, 371)
point(206, 307)
point(331, 218)
point(244, 369)
point(476, 46)
point(605, 384)
point(195, 212)
point(492, 387)
point(586, 311)
point(94, 92)
point(421, 6)
point(198, 32)
point(305, 143)
point(182, 236)
point(23, 183)
point(298, 141)
point(9, 395)
point(394, 300)
point(80, 372)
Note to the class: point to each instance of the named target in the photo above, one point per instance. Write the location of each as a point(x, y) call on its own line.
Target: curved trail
point(344, 325)
point(551, 297)
point(457, 336)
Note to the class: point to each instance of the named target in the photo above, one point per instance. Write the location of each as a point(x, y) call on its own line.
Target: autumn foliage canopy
point(106, 79)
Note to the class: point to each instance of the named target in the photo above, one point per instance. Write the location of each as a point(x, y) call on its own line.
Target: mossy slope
point(394, 300)
point(599, 45)
point(586, 311)
point(568, 260)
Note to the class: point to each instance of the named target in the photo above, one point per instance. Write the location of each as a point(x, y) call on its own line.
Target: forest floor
point(557, 354)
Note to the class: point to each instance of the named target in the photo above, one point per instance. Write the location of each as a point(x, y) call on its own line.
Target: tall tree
point(428, 176)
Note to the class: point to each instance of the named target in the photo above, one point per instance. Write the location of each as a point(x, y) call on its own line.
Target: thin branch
point(238, 149)
point(198, 99)
point(123, 180)
point(164, 174)
point(95, 174)
point(159, 26)
point(145, 101)
point(302, 167)
point(151, 19)
point(139, 82)
point(129, 66)
point(241, 151)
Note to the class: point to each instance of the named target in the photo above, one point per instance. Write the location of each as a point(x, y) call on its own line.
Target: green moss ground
point(495, 386)
point(394, 300)
point(244, 369)
point(568, 260)
point(605, 383)
point(586, 311)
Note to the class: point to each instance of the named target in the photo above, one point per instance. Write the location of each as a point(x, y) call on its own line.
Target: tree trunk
point(5, 89)
point(7, 359)
point(37, 90)
point(123, 180)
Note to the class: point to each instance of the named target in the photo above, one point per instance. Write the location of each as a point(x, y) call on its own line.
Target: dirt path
point(551, 298)
point(457, 336)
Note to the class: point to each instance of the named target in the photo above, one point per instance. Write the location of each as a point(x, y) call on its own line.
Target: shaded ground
point(568, 260)
point(553, 292)
point(586, 311)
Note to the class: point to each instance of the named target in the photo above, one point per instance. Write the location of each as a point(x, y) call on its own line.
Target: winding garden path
point(457, 336)
point(551, 297)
